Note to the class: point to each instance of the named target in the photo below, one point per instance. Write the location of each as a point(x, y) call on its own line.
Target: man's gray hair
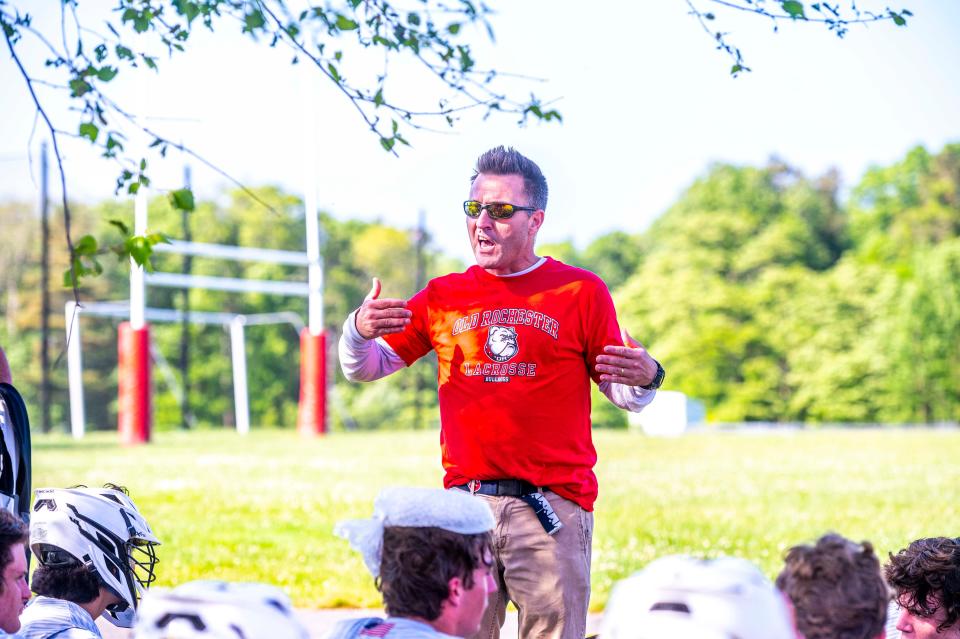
point(502, 160)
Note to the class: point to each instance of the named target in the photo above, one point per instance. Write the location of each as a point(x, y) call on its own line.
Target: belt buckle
point(474, 485)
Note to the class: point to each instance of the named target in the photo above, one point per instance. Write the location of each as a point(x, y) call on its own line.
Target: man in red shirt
point(518, 338)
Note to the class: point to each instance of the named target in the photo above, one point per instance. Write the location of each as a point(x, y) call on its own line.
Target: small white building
point(668, 415)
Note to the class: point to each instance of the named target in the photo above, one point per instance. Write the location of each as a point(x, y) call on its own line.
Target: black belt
point(526, 491)
point(499, 487)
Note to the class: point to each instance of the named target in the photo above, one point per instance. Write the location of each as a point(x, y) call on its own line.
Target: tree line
point(767, 294)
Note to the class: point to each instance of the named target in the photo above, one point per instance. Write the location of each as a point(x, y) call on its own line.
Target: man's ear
point(454, 591)
point(536, 220)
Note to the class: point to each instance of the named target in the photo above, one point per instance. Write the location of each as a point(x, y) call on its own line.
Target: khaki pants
point(547, 577)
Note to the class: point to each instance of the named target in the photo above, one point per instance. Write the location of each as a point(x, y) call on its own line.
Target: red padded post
point(312, 411)
point(133, 377)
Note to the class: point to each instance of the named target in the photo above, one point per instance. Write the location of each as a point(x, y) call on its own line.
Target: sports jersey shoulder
point(47, 617)
point(389, 628)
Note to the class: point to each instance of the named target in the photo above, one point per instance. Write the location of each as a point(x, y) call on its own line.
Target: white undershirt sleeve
point(364, 360)
point(631, 398)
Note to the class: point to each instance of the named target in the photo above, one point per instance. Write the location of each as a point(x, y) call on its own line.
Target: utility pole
point(186, 268)
point(44, 292)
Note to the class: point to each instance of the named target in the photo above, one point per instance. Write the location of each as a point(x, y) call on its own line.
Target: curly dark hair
point(12, 532)
point(70, 581)
point(417, 565)
point(836, 588)
point(926, 576)
point(508, 161)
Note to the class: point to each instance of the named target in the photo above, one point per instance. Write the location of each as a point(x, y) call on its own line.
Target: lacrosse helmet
point(217, 610)
point(687, 598)
point(102, 529)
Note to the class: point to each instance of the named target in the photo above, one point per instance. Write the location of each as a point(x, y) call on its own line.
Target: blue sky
point(648, 104)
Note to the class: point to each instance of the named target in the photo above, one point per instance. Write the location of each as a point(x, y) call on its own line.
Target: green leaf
point(107, 73)
point(140, 19)
point(387, 143)
point(79, 87)
point(89, 130)
point(86, 245)
point(333, 72)
point(112, 146)
point(124, 53)
point(346, 24)
point(413, 18)
point(182, 199)
point(121, 226)
point(158, 238)
point(793, 8)
point(466, 62)
point(140, 249)
point(453, 28)
point(187, 9)
point(254, 20)
point(378, 98)
point(897, 19)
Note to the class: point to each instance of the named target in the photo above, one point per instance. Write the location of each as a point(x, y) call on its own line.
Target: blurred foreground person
point(680, 597)
point(926, 579)
point(430, 552)
point(836, 589)
point(14, 592)
point(217, 610)
point(95, 554)
point(15, 456)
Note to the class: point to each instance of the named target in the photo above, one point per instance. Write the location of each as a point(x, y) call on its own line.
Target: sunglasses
point(496, 210)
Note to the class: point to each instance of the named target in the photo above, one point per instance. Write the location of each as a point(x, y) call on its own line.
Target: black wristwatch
point(657, 379)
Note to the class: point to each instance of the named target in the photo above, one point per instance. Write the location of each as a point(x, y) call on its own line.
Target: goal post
point(134, 387)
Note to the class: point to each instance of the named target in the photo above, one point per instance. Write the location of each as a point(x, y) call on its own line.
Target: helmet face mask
point(102, 529)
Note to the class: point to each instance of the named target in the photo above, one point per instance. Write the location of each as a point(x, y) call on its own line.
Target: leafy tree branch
point(432, 33)
point(837, 17)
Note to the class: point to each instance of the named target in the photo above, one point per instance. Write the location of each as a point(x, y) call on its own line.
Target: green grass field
point(262, 507)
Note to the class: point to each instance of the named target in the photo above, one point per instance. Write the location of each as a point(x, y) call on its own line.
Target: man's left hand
point(629, 364)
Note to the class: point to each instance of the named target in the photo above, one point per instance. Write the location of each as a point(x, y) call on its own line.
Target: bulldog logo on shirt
point(501, 343)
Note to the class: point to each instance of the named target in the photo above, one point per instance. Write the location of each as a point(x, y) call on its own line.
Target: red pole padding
point(312, 413)
point(133, 377)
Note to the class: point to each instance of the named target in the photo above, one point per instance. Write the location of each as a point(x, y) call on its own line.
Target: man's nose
point(24, 591)
point(484, 220)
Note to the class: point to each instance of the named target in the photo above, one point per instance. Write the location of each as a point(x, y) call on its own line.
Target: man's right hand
point(377, 317)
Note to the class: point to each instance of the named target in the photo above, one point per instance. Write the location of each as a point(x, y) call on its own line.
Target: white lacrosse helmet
point(217, 610)
point(101, 528)
point(686, 598)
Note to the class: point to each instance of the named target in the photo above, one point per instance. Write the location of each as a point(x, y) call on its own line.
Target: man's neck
point(98, 605)
point(537, 261)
